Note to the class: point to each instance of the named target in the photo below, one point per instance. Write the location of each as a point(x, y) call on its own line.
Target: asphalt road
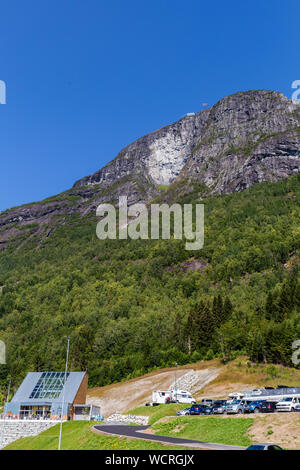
point(136, 432)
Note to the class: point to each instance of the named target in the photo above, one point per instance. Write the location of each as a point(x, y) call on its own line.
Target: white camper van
point(287, 404)
point(172, 396)
point(161, 396)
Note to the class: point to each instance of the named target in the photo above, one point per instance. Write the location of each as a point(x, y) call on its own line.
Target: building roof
point(48, 387)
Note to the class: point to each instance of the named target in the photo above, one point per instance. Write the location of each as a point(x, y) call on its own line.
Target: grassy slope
point(211, 429)
point(78, 436)
point(157, 412)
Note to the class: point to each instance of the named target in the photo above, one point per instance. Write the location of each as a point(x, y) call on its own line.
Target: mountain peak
point(216, 146)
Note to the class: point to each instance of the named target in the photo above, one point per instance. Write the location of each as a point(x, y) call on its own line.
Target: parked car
point(207, 401)
point(264, 447)
point(184, 412)
point(199, 410)
point(268, 407)
point(254, 406)
point(219, 407)
point(235, 407)
point(297, 407)
point(287, 404)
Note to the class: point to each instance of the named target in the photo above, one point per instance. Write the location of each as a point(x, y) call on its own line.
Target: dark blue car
point(200, 410)
point(254, 406)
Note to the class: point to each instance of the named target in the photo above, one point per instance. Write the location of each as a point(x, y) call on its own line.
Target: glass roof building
point(48, 395)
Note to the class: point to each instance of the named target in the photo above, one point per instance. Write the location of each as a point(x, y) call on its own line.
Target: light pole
point(3, 426)
point(175, 382)
point(63, 402)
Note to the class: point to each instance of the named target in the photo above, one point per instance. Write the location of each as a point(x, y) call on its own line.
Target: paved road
point(136, 432)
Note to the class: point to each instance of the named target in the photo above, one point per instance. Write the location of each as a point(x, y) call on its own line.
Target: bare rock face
point(249, 137)
point(158, 156)
point(244, 139)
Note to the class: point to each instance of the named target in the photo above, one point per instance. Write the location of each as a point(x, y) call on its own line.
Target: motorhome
point(172, 396)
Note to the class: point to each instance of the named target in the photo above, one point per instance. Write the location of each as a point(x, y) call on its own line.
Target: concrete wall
point(13, 429)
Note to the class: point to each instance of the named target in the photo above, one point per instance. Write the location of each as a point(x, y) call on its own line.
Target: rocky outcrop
point(249, 137)
point(244, 139)
point(158, 156)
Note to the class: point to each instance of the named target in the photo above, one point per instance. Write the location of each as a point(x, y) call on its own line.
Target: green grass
point(157, 412)
point(162, 187)
point(233, 431)
point(77, 435)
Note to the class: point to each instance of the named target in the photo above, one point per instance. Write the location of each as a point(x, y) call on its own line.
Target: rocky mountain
point(243, 139)
point(160, 155)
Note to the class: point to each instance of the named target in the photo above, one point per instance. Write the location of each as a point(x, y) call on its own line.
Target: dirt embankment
point(121, 397)
point(279, 428)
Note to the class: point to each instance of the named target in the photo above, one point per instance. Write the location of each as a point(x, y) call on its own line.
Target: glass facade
point(49, 385)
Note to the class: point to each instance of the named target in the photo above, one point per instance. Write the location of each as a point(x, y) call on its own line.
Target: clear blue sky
point(85, 78)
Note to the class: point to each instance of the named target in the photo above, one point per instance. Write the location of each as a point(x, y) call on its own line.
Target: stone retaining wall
point(126, 419)
point(11, 430)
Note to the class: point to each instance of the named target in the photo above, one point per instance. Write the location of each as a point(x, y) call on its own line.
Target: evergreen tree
point(218, 311)
point(270, 307)
point(227, 309)
point(206, 326)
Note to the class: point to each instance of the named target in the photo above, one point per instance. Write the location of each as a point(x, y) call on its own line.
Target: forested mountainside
point(132, 305)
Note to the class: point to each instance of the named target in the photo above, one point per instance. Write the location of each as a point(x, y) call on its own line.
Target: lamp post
point(63, 402)
point(175, 382)
point(3, 426)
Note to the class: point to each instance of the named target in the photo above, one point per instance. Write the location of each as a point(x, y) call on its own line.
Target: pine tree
point(206, 326)
point(227, 309)
point(270, 307)
point(284, 303)
point(218, 311)
point(178, 335)
point(191, 331)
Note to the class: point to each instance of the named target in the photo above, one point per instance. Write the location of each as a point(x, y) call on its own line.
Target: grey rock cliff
point(249, 137)
point(244, 139)
point(158, 156)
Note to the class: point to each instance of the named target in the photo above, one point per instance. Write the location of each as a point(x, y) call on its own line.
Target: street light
point(63, 402)
point(175, 382)
point(3, 426)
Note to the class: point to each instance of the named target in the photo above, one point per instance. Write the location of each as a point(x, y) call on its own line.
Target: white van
point(287, 404)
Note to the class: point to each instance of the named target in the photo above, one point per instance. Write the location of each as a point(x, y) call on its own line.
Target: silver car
point(184, 412)
point(235, 407)
point(264, 447)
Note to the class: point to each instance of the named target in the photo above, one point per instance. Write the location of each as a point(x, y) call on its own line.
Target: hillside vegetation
point(131, 306)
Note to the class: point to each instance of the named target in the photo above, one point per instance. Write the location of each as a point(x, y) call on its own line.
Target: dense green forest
point(130, 306)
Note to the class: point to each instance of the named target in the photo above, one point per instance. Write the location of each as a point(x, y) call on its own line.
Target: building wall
point(80, 398)
point(13, 408)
